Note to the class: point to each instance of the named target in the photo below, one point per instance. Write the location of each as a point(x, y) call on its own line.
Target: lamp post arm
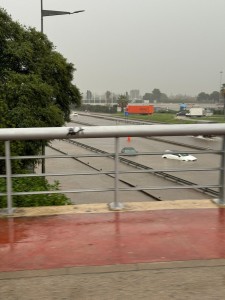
point(49, 13)
point(77, 11)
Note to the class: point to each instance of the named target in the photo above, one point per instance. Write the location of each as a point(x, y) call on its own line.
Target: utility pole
point(220, 93)
point(221, 75)
point(49, 13)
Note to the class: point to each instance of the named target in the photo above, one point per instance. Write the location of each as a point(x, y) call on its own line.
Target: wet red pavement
point(90, 239)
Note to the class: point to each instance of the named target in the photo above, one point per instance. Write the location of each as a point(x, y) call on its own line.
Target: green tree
point(148, 96)
point(156, 94)
point(214, 96)
point(222, 92)
point(108, 98)
point(25, 51)
point(202, 97)
point(36, 88)
point(163, 97)
point(122, 102)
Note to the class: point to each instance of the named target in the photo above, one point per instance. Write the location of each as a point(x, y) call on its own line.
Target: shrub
point(33, 184)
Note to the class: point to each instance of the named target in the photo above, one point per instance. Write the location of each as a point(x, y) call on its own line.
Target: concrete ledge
point(212, 263)
point(103, 208)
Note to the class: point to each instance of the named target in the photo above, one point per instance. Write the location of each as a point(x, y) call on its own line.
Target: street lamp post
point(220, 93)
point(49, 13)
point(221, 75)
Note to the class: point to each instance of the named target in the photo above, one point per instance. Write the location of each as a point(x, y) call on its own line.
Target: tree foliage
point(33, 184)
point(205, 97)
point(108, 97)
point(214, 96)
point(156, 94)
point(36, 88)
point(122, 101)
point(99, 108)
point(32, 71)
point(202, 97)
point(222, 91)
point(148, 96)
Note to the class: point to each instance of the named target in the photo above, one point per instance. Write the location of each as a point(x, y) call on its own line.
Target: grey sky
point(177, 46)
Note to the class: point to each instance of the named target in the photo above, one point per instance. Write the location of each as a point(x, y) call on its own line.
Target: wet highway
point(144, 180)
point(145, 145)
point(191, 140)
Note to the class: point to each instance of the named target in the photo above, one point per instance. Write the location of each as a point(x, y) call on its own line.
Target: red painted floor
point(111, 238)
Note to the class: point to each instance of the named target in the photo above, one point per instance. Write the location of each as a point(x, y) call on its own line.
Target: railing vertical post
point(8, 177)
point(116, 205)
point(221, 200)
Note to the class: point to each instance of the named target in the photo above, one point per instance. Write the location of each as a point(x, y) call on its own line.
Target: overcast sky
point(177, 46)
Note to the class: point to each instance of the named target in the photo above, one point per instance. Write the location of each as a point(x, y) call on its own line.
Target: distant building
point(134, 94)
point(89, 95)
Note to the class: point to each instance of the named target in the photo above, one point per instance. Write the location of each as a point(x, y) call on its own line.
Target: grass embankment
point(171, 118)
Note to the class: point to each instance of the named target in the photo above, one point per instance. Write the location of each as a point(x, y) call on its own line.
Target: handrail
point(51, 133)
point(48, 133)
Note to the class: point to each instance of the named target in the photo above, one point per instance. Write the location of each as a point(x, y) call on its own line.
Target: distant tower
point(89, 95)
point(134, 94)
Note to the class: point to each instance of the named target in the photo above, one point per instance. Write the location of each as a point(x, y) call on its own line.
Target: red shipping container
point(140, 109)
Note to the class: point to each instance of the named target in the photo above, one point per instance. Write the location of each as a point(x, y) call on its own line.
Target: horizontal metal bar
point(49, 133)
point(109, 172)
point(112, 189)
point(105, 155)
point(62, 156)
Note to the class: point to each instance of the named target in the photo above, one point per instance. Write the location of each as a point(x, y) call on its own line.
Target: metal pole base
point(218, 202)
point(116, 206)
point(6, 212)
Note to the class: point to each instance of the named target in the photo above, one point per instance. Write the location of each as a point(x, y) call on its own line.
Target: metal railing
point(51, 133)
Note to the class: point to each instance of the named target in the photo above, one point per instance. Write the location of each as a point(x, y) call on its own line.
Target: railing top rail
point(49, 133)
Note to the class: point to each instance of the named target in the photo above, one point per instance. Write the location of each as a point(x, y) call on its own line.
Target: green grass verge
point(170, 118)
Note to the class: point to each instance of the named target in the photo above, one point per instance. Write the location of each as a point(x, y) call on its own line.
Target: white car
point(74, 114)
point(179, 156)
point(205, 137)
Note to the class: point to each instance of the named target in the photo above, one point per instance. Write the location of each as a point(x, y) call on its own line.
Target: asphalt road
point(156, 162)
point(143, 180)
